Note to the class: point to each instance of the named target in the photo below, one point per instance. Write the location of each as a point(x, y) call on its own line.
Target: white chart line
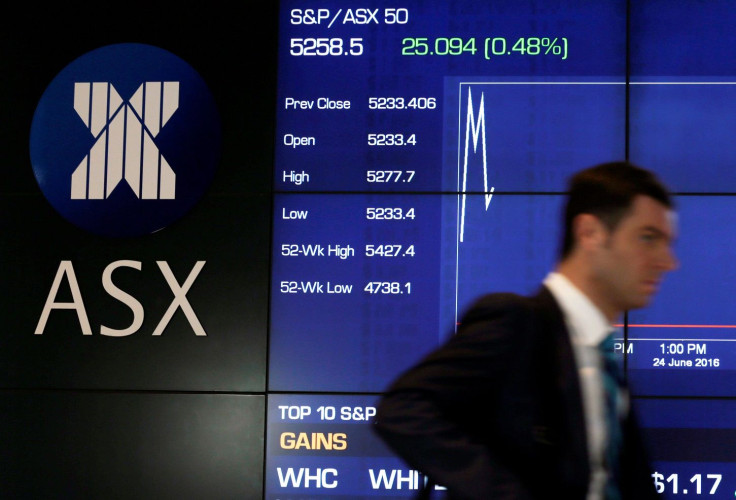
point(478, 132)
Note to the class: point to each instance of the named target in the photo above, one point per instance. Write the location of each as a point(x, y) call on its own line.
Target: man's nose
point(669, 261)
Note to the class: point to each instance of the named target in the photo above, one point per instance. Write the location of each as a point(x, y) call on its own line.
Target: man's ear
point(589, 231)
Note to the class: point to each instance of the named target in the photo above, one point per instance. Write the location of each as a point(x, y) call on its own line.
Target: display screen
point(323, 443)
point(374, 97)
point(422, 152)
point(683, 84)
point(690, 441)
point(367, 294)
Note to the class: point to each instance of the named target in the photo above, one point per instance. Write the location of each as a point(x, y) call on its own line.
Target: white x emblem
point(124, 147)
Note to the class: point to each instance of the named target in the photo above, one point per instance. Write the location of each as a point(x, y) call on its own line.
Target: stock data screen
point(371, 282)
point(374, 97)
point(322, 446)
point(421, 156)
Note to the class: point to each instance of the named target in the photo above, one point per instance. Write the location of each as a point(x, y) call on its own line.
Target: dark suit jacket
point(496, 412)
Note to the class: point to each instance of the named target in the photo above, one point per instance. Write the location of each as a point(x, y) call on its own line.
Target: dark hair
point(607, 191)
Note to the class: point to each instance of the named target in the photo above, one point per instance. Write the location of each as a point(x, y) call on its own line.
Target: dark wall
point(176, 415)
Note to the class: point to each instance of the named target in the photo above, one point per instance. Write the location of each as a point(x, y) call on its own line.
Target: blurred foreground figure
point(520, 403)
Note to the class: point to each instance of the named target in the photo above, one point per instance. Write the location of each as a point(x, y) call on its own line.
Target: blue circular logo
point(125, 140)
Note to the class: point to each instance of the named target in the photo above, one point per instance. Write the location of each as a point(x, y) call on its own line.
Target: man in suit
point(513, 405)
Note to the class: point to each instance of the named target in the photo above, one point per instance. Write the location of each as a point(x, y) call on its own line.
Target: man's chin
point(641, 301)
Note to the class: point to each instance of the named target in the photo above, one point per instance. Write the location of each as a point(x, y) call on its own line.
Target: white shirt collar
point(587, 324)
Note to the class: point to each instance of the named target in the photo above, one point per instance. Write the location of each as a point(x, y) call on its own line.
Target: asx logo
point(125, 140)
point(124, 146)
point(66, 273)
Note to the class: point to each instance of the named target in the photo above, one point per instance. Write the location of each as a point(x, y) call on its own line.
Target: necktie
point(612, 382)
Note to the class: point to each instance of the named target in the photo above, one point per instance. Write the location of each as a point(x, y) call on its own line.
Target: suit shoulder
point(539, 310)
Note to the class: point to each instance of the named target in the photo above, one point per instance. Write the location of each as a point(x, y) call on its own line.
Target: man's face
point(634, 257)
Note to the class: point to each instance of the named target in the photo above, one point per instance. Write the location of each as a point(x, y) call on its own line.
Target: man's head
point(619, 228)
point(608, 191)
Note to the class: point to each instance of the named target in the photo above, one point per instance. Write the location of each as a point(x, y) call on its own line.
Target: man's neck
point(577, 276)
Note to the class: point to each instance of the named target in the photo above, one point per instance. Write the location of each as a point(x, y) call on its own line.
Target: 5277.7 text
point(389, 175)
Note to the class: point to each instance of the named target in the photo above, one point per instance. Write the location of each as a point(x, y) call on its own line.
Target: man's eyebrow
point(658, 232)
